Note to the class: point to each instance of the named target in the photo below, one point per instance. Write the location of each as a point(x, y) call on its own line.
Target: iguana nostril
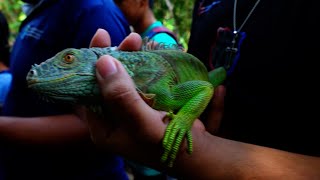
point(31, 77)
point(32, 73)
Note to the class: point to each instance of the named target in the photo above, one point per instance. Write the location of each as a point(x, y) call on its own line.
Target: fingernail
point(106, 66)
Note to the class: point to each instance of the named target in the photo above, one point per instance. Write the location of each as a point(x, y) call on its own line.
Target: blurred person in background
point(47, 140)
point(140, 16)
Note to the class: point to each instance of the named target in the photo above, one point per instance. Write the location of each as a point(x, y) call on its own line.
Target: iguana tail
point(217, 76)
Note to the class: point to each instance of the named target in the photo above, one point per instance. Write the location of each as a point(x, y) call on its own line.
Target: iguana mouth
point(40, 81)
point(32, 81)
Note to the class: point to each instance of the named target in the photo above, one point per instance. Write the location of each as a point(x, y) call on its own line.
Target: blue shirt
point(5, 78)
point(49, 28)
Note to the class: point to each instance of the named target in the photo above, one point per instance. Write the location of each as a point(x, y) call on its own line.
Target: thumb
point(125, 104)
point(118, 89)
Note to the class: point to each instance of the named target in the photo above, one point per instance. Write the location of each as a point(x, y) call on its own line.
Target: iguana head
point(67, 76)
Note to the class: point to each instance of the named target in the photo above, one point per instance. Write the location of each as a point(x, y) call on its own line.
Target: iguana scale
point(176, 82)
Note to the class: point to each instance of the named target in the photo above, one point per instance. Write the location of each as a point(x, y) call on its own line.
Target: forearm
point(218, 158)
point(43, 130)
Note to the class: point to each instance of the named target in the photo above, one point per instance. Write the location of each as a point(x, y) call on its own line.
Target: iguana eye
point(69, 58)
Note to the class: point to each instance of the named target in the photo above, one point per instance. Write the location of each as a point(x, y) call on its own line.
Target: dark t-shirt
point(272, 94)
point(51, 27)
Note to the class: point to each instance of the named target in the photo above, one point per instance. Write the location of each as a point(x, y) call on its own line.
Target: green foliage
point(13, 12)
point(174, 14)
point(177, 16)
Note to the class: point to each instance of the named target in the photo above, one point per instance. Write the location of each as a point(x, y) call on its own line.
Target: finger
point(198, 125)
point(98, 128)
point(152, 45)
point(133, 42)
point(101, 39)
point(80, 111)
point(216, 111)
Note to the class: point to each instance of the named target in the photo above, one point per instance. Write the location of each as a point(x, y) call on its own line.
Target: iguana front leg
point(188, 100)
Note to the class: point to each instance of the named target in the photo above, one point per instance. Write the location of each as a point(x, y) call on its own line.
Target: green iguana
point(174, 81)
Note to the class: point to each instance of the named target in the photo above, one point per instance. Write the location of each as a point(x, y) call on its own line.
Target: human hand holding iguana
point(140, 128)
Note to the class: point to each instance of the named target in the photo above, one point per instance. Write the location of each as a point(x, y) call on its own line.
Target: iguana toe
point(173, 139)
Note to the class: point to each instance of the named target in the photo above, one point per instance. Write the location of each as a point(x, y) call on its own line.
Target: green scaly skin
point(177, 82)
